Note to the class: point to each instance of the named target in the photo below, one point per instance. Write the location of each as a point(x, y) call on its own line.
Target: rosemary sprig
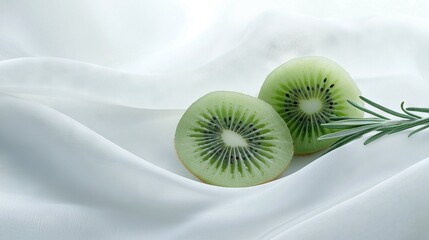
point(354, 128)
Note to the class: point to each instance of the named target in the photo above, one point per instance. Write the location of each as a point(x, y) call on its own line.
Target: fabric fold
point(91, 94)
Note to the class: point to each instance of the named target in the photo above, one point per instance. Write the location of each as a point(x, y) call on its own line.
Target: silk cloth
point(91, 93)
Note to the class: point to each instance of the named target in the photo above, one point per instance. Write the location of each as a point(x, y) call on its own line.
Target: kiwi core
point(310, 106)
point(233, 139)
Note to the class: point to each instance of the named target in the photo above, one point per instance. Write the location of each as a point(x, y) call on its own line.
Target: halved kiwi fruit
point(307, 92)
point(231, 139)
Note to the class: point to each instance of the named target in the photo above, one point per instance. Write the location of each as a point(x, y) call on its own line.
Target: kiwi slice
point(231, 139)
point(307, 92)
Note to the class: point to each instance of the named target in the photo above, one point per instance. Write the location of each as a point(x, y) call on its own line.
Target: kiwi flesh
point(309, 91)
point(231, 139)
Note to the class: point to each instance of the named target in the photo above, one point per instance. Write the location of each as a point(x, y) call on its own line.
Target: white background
point(91, 92)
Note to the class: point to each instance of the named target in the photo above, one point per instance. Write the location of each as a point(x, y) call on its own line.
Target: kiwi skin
point(190, 158)
point(308, 75)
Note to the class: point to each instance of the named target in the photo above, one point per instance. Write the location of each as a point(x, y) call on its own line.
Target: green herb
point(354, 128)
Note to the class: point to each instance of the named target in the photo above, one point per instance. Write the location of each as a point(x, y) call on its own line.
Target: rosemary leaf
point(348, 132)
point(407, 112)
point(375, 137)
point(418, 130)
point(346, 124)
point(339, 118)
point(367, 110)
point(385, 109)
point(415, 109)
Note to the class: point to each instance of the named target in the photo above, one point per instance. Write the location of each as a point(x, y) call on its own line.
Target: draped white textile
point(91, 92)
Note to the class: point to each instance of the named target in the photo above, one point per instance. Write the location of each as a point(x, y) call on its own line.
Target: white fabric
point(91, 92)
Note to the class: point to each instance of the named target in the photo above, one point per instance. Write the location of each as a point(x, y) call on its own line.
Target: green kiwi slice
point(307, 92)
point(231, 139)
